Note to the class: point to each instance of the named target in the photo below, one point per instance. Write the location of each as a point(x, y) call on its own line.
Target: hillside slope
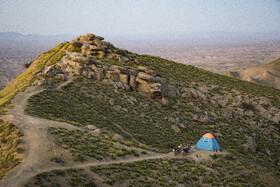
point(107, 116)
point(268, 74)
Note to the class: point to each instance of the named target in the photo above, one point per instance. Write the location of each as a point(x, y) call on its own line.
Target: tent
point(208, 142)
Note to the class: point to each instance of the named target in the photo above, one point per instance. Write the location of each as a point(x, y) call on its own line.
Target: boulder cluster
point(87, 60)
point(94, 46)
point(91, 61)
point(141, 79)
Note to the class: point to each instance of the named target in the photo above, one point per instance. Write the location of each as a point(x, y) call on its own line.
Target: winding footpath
point(39, 147)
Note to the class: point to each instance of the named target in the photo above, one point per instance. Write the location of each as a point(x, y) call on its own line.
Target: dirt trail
point(39, 147)
point(102, 163)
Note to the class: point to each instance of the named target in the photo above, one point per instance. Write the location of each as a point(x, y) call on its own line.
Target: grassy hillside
point(26, 78)
point(9, 134)
point(152, 125)
point(222, 171)
point(10, 152)
point(186, 74)
point(85, 102)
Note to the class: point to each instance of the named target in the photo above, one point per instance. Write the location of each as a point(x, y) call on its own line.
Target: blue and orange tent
point(208, 142)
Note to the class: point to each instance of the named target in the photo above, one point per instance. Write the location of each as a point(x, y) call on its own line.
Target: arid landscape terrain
point(87, 113)
point(219, 57)
point(139, 93)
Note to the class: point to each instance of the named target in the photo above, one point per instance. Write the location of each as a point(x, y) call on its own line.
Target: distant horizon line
point(148, 34)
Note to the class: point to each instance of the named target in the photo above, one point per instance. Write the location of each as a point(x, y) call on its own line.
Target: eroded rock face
point(94, 46)
point(52, 71)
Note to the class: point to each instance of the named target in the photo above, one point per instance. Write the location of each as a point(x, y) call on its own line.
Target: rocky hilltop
point(268, 74)
point(111, 115)
point(84, 61)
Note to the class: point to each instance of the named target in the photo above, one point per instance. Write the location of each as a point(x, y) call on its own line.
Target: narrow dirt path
point(39, 147)
point(102, 163)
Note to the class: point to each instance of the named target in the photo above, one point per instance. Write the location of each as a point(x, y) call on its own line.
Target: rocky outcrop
point(52, 71)
point(126, 78)
point(91, 61)
point(94, 46)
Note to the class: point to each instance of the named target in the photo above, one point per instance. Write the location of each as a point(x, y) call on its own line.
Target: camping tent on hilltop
point(208, 142)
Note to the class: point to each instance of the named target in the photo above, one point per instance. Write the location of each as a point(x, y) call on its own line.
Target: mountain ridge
point(137, 102)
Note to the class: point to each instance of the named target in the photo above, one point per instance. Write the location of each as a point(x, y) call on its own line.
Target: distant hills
point(268, 74)
point(15, 38)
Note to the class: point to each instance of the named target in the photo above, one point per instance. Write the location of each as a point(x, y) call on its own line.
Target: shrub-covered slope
point(10, 151)
point(155, 104)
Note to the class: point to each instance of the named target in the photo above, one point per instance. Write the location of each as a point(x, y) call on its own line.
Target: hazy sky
point(121, 17)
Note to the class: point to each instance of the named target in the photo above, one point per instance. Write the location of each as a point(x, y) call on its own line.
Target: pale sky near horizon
point(121, 17)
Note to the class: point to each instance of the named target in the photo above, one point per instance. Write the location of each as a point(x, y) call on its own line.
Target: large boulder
point(148, 77)
point(154, 88)
point(101, 54)
point(147, 70)
point(90, 36)
point(77, 44)
point(115, 76)
point(150, 89)
point(74, 64)
point(95, 48)
point(92, 75)
point(52, 71)
point(97, 132)
point(119, 137)
point(132, 82)
point(124, 78)
point(119, 69)
point(125, 87)
point(91, 127)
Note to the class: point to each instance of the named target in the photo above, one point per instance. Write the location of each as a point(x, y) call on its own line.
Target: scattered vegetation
point(86, 102)
point(57, 57)
point(139, 119)
point(174, 172)
point(57, 178)
point(72, 48)
point(82, 145)
point(26, 78)
point(10, 152)
point(186, 73)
